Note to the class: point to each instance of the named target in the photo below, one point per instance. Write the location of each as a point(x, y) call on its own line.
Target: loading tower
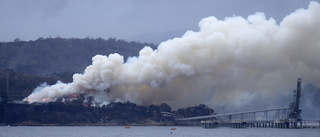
point(294, 106)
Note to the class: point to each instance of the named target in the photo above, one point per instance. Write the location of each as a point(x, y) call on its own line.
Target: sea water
point(151, 131)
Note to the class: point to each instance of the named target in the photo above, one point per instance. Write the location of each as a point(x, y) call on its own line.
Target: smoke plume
point(227, 62)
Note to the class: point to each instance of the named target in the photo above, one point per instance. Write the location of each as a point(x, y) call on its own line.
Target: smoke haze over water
point(229, 62)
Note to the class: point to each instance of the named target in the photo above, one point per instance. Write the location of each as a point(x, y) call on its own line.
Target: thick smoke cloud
point(228, 62)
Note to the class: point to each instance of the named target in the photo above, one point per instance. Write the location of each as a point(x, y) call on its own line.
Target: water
point(152, 131)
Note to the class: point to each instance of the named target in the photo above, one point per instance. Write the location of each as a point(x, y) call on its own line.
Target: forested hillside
point(55, 55)
point(22, 84)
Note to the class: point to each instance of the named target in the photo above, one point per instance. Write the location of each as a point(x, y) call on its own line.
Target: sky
point(132, 20)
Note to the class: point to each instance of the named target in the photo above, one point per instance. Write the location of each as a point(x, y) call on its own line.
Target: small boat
point(174, 128)
point(127, 127)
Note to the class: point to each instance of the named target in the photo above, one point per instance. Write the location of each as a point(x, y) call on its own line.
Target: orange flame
point(74, 96)
point(29, 100)
point(45, 100)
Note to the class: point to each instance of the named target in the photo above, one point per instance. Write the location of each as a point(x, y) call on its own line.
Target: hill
point(20, 84)
point(54, 55)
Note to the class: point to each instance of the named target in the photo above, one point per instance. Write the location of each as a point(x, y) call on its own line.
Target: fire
point(74, 96)
point(45, 100)
point(29, 100)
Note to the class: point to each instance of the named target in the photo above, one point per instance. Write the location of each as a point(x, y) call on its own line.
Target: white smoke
point(228, 62)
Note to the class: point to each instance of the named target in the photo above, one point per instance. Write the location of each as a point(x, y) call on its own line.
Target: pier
point(283, 117)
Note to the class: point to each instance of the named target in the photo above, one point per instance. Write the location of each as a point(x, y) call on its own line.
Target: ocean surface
point(152, 131)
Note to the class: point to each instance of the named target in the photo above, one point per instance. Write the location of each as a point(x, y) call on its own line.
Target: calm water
point(152, 131)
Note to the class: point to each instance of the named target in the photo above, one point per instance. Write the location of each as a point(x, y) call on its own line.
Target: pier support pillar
point(295, 125)
point(301, 125)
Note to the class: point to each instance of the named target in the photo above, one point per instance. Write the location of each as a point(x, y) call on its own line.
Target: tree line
point(55, 55)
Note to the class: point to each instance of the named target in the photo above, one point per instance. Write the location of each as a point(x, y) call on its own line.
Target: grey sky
point(140, 20)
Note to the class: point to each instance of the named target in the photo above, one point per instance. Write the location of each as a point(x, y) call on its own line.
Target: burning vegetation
point(75, 112)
